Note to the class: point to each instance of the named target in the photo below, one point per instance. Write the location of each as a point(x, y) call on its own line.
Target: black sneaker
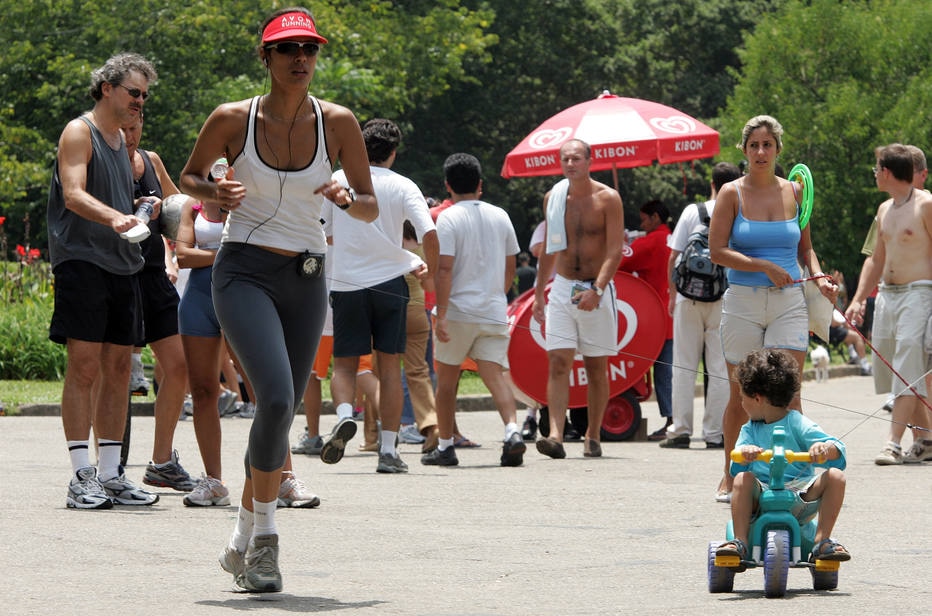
point(447, 457)
point(513, 450)
point(715, 444)
point(680, 441)
point(529, 429)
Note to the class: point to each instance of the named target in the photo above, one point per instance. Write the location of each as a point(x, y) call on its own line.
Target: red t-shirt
point(648, 257)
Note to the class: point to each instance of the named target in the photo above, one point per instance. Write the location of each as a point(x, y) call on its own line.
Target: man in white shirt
point(696, 336)
point(476, 268)
point(369, 294)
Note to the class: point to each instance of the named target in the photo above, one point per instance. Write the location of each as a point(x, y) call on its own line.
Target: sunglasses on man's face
point(291, 48)
point(135, 92)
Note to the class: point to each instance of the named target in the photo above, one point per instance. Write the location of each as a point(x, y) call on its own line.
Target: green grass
point(14, 394)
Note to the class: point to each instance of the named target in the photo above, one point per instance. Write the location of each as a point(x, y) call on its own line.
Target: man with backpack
point(696, 289)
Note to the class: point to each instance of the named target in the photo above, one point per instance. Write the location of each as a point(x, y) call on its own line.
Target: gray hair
point(116, 69)
point(762, 121)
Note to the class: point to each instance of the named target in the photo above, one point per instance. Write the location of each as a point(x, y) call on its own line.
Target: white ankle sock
point(108, 462)
point(444, 444)
point(388, 442)
point(344, 410)
point(510, 428)
point(243, 531)
point(80, 456)
point(264, 518)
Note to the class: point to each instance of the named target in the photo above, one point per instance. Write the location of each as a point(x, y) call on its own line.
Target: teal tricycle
point(776, 541)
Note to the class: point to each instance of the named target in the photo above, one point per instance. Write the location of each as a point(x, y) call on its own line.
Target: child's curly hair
point(771, 373)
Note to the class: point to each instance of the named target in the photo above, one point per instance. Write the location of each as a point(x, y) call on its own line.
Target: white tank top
point(207, 233)
point(280, 209)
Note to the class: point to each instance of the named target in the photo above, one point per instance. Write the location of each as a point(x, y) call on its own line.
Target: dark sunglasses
point(291, 48)
point(134, 92)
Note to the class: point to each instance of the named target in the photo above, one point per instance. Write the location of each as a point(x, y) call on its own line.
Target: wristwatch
point(597, 290)
point(352, 199)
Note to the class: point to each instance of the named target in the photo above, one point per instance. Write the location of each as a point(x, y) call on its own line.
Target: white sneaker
point(208, 492)
point(293, 493)
point(122, 491)
point(86, 492)
point(138, 383)
point(891, 455)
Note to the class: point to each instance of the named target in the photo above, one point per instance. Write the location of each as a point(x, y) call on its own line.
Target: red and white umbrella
point(622, 132)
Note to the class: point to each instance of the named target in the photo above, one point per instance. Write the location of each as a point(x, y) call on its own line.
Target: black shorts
point(159, 305)
point(93, 305)
point(372, 318)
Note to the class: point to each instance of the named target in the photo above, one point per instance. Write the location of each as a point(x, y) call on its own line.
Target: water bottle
point(219, 169)
point(141, 230)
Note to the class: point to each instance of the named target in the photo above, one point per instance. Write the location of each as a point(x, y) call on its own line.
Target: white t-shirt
point(688, 224)
point(367, 254)
point(479, 236)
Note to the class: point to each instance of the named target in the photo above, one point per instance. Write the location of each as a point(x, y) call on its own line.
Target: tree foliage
point(842, 78)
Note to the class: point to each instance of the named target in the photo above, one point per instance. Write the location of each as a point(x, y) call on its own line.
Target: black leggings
point(272, 318)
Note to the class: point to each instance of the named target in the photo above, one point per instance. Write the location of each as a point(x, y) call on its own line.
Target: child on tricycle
point(760, 502)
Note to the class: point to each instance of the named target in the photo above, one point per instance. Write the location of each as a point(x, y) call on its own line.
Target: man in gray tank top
point(96, 292)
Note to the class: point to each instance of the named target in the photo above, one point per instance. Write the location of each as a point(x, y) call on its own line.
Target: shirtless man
point(903, 263)
point(584, 244)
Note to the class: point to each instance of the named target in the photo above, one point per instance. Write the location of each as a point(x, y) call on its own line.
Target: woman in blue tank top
point(755, 233)
point(268, 289)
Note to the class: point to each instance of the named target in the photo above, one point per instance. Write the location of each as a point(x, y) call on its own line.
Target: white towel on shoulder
point(556, 223)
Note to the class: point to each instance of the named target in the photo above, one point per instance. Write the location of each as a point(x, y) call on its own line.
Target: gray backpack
point(695, 275)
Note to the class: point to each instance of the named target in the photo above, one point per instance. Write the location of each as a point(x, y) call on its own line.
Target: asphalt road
point(624, 534)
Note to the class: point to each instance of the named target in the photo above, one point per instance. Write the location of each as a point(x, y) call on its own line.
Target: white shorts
point(592, 333)
point(480, 341)
point(755, 318)
point(901, 318)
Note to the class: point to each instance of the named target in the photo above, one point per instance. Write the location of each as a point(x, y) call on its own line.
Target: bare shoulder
point(336, 114)
point(605, 194)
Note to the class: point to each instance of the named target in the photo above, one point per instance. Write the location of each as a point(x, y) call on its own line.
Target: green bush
point(25, 349)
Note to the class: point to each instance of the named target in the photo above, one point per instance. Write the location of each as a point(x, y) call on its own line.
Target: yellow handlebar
point(767, 454)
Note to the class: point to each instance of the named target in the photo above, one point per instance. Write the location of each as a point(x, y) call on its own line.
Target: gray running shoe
point(307, 445)
point(226, 403)
point(335, 445)
point(246, 411)
point(208, 492)
point(409, 435)
point(260, 572)
point(232, 561)
point(921, 451)
point(293, 493)
point(435, 457)
point(187, 408)
point(389, 463)
point(169, 475)
point(122, 491)
point(86, 492)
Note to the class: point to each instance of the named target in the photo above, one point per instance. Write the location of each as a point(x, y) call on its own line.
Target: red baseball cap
point(291, 25)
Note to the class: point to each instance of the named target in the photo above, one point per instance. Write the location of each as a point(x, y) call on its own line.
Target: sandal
point(463, 442)
point(829, 549)
point(734, 548)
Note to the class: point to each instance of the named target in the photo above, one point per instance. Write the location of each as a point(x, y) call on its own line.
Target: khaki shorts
point(901, 317)
point(480, 341)
point(592, 333)
point(755, 318)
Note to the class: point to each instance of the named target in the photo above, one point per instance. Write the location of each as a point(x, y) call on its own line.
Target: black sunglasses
point(291, 48)
point(134, 92)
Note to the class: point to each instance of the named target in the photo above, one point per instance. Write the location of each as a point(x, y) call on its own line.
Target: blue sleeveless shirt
point(775, 240)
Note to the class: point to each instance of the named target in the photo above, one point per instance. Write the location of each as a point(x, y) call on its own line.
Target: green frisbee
point(801, 173)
